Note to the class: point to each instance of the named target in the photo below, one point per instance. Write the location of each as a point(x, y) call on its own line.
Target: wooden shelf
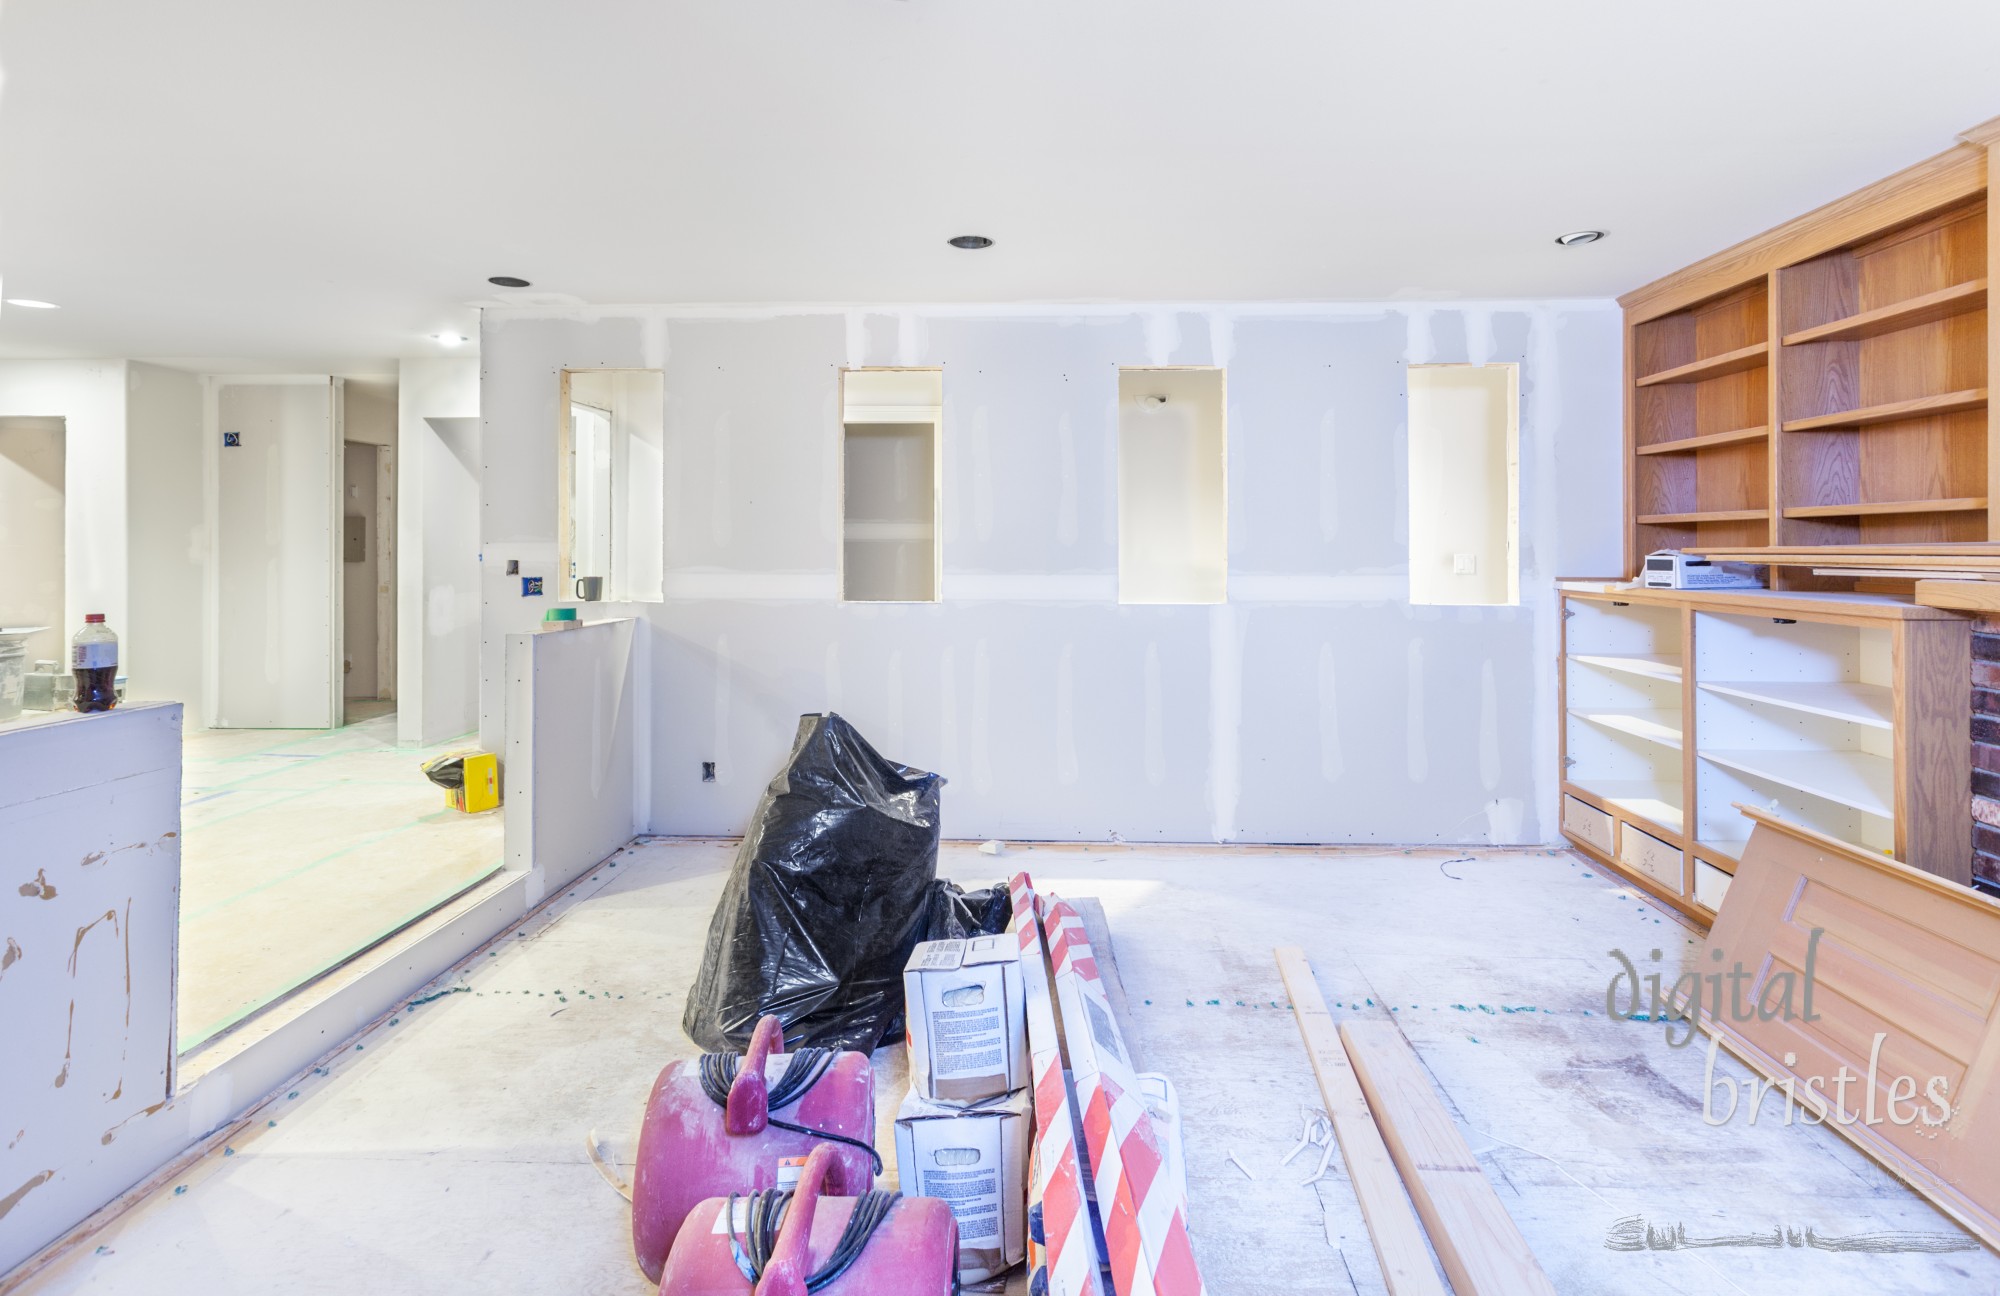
point(1661, 725)
point(1688, 445)
point(1723, 848)
point(1640, 799)
point(1651, 665)
point(1959, 299)
point(1729, 362)
point(1850, 778)
point(1873, 705)
point(1922, 407)
point(1712, 515)
point(1968, 504)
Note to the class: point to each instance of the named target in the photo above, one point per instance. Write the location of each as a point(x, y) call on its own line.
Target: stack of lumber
point(1972, 561)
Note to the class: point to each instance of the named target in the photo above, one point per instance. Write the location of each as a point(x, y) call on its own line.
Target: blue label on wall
point(531, 587)
point(232, 439)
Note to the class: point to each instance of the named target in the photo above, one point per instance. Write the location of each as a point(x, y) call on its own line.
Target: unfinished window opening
point(613, 485)
point(1173, 491)
point(1465, 484)
point(891, 428)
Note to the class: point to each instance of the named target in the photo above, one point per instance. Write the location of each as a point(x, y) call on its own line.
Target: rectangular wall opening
point(892, 423)
point(1173, 487)
point(614, 485)
point(1465, 484)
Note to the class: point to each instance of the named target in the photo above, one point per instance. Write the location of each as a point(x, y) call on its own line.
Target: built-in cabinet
point(1845, 713)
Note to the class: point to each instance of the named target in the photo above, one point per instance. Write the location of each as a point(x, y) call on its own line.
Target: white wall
point(438, 568)
point(1317, 704)
point(89, 396)
point(166, 493)
point(90, 814)
point(32, 468)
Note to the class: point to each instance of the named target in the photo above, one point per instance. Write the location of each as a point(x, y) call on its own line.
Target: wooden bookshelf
point(1824, 384)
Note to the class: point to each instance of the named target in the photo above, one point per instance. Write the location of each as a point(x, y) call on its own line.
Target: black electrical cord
point(803, 1070)
point(766, 1214)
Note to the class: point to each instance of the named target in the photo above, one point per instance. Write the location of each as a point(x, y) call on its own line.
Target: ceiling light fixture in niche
point(450, 339)
point(971, 242)
point(508, 281)
point(1577, 238)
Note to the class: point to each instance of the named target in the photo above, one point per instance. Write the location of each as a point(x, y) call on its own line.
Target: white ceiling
point(333, 182)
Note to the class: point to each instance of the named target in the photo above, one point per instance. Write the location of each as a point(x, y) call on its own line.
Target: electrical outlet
point(1464, 564)
point(708, 771)
point(531, 587)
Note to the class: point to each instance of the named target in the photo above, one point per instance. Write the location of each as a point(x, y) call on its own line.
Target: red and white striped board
point(1145, 1217)
point(1056, 1186)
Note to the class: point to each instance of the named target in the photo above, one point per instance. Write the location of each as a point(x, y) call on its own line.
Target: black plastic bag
point(448, 770)
point(830, 892)
point(956, 914)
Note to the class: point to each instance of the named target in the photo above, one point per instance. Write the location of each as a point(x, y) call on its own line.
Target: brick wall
point(1986, 749)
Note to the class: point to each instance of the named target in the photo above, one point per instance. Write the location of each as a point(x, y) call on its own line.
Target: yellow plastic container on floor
point(482, 784)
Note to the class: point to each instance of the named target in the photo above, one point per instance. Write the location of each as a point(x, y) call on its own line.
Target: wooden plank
point(1959, 299)
point(1820, 606)
point(1951, 176)
point(1960, 595)
point(1711, 515)
point(1933, 667)
point(1482, 1250)
point(1392, 1225)
point(1906, 982)
point(1889, 508)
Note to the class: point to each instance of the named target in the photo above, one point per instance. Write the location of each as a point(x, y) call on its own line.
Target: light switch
point(1464, 564)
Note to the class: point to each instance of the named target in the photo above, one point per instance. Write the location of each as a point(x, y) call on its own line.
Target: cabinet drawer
point(1710, 883)
point(1587, 822)
point(1645, 853)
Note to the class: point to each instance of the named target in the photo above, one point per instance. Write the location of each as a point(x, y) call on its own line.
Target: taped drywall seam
point(1055, 311)
point(1156, 741)
point(642, 725)
point(1221, 339)
point(654, 346)
point(1419, 347)
point(1225, 719)
point(1163, 336)
point(1541, 415)
point(1478, 336)
point(1066, 716)
point(857, 339)
point(833, 697)
point(910, 339)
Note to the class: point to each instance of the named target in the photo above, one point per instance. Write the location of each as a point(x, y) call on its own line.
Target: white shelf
point(1641, 798)
point(1873, 705)
point(1730, 848)
point(1662, 726)
point(870, 415)
point(1652, 666)
point(1850, 778)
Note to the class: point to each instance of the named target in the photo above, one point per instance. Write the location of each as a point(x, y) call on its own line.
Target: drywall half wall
point(1316, 704)
point(437, 556)
point(90, 814)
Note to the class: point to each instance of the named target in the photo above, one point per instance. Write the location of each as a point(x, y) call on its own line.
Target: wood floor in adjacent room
point(445, 1153)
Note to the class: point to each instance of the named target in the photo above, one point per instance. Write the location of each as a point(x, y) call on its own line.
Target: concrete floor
point(304, 847)
point(445, 1152)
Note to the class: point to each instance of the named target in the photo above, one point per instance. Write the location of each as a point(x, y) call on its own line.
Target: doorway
point(32, 495)
point(368, 652)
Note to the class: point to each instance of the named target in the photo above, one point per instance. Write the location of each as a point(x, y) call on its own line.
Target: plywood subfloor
point(303, 848)
point(445, 1153)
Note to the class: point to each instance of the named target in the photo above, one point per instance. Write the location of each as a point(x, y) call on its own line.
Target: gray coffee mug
point(590, 588)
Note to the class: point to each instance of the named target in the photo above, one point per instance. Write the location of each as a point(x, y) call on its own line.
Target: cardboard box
point(482, 785)
point(974, 1159)
point(968, 1032)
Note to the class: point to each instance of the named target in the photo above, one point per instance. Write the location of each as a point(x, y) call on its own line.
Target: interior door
point(278, 560)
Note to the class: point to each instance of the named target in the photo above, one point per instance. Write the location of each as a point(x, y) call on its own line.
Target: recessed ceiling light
point(971, 241)
point(32, 304)
point(508, 281)
point(450, 339)
point(1577, 238)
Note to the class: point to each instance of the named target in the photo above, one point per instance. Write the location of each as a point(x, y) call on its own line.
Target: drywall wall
point(167, 498)
point(360, 621)
point(1316, 704)
point(90, 814)
point(89, 396)
point(277, 565)
point(1463, 484)
point(575, 756)
point(437, 553)
point(32, 467)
